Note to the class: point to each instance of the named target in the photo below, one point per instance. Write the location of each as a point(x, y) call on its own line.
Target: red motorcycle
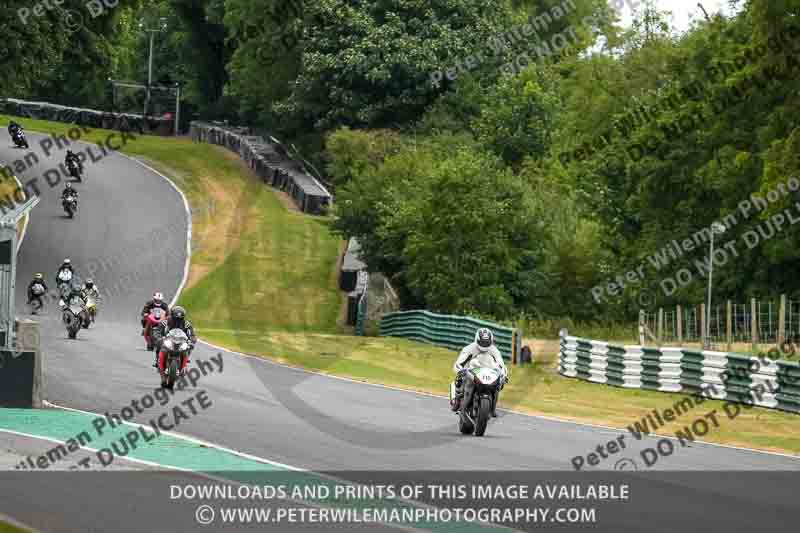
point(151, 332)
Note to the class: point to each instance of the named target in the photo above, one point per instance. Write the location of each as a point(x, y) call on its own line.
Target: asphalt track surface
point(262, 408)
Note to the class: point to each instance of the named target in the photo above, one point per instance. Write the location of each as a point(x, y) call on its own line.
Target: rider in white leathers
point(484, 353)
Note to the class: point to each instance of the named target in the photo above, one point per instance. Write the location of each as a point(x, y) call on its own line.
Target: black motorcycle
point(70, 205)
point(74, 169)
point(19, 139)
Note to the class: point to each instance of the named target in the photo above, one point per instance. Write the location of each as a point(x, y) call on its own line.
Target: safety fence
point(720, 375)
point(759, 321)
point(450, 331)
point(270, 160)
point(91, 118)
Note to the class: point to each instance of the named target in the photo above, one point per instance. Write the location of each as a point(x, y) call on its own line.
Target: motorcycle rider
point(484, 353)
point(38, 279)
point(90, 289)
point(157, 301)
point(13, 128)
point(177, 319)
point(66, 265)
point(75, 291)
point(71, 157)
point(68, 191)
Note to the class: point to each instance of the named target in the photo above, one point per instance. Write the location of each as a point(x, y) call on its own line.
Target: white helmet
point(158, 297)
point(484, 339)
point(67, 261)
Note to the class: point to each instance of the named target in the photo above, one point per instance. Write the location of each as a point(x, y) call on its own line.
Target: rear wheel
point(72, 333)
point(484, 412)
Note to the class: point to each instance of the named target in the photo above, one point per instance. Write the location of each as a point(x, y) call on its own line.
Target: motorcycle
point(153, 334)
point(70, 205)
point(91, 309)
point(74, 170)
point(475, 409)
point(19, 139)
point(176, 348)
point(64, 280)
point(35, 297)
point(74, 315)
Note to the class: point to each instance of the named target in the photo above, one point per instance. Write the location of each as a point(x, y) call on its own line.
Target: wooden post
point(703, 325)
point(782, 321)
point(729, 325)
point(641, 327)
point(659, 335)
point(753, 323)
point(679, 317)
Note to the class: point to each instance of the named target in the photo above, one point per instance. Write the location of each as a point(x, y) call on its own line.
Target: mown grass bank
point(263, 282)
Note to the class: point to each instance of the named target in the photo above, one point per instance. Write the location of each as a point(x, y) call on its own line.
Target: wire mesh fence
point(758, 322)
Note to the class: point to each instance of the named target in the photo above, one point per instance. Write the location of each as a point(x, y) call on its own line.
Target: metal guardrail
point(450, 331)
point(724, 376)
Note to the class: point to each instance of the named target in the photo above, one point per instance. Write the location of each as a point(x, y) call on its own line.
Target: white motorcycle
point(74, 315)
point(475, 409)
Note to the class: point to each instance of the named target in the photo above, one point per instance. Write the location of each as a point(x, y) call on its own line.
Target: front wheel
point(484, 412)
point(172, 373)
point(72, 333)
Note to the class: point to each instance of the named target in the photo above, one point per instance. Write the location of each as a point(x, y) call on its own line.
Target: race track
point(261, 408)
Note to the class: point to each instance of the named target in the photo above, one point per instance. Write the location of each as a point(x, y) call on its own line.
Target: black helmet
point(484, 338)
point(178, 315)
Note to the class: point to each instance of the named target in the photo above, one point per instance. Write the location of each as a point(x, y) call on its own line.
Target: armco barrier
point(270, 162)
point(720, 375)
point(91, 118)
point(450, 331)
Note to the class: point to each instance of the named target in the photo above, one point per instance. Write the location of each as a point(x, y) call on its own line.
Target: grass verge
point(263, 282)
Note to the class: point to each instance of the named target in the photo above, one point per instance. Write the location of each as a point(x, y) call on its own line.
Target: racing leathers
point(150, 305)
point(75, 160)
point(62, 268)
point(31, 285)
point(474, 356)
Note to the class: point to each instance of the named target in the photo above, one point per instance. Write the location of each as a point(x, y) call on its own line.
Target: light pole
point(152, 32)
point(718, 228)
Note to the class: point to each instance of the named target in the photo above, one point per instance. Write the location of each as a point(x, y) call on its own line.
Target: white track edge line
point(189, 438)
point(82, 447)
point(511, 411)
point(199, 472)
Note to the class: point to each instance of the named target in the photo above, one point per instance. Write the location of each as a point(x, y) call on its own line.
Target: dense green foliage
point(476, 180)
